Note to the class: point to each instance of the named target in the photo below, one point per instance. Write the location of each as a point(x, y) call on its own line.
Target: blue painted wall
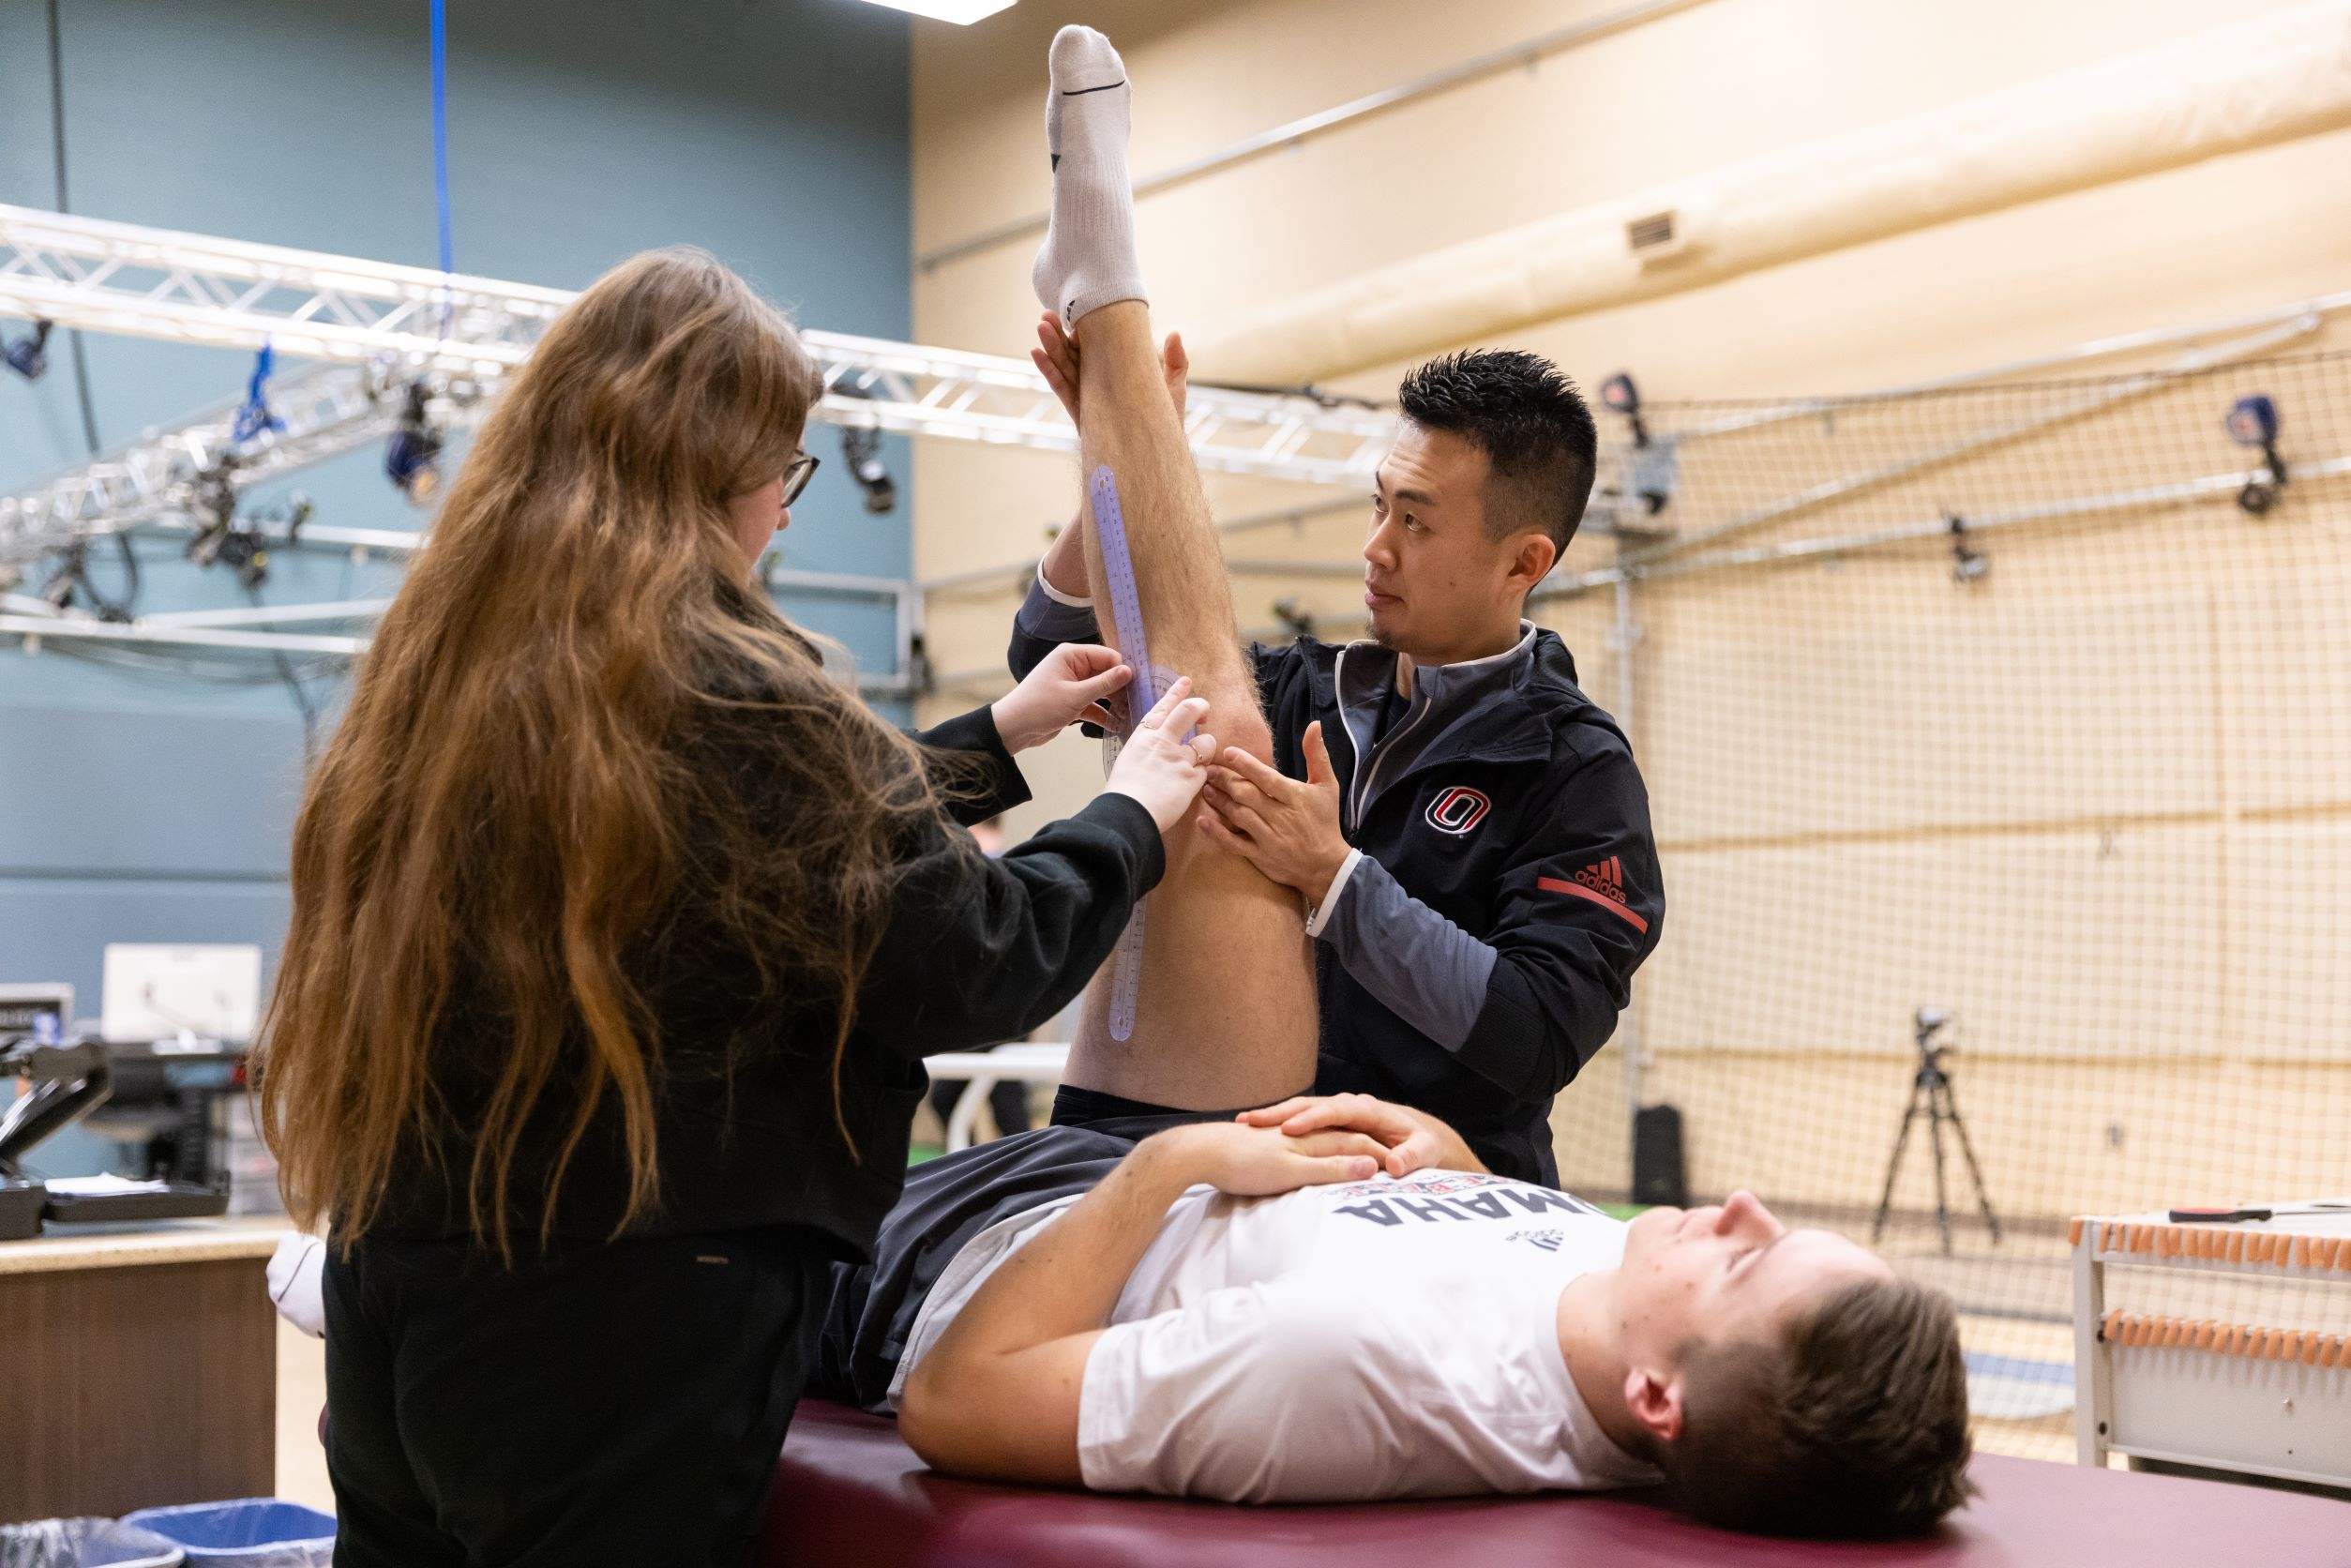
point(153, 804)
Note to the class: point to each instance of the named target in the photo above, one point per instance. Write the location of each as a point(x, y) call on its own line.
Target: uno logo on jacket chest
point(1457, 810)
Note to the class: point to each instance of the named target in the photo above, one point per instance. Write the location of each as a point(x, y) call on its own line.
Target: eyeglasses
point(797, 473)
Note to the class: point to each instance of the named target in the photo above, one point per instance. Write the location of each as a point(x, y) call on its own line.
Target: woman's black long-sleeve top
point(974, 950)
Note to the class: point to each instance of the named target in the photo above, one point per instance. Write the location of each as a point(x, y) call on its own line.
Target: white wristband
point(1323, 911)
point(1071, 601)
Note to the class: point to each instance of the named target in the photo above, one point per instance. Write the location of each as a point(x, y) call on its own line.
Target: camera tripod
point(1931, 1098)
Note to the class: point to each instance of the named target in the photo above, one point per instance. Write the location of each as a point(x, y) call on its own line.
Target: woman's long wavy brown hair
point(512, 801)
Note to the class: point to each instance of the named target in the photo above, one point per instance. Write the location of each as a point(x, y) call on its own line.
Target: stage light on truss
point(28, 356)
point(2253, 422)
point(862, 447)
point(961, 12)
point(1620, 396)
point(411, 457)
point(57, 593)
point(1968, 567)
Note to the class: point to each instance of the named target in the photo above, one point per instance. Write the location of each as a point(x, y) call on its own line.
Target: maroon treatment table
point(849, 1492)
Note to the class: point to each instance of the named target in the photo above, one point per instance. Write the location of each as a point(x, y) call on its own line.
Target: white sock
point(1087, 258)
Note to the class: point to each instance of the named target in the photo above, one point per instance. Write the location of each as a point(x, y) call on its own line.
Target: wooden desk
point(140, 1367)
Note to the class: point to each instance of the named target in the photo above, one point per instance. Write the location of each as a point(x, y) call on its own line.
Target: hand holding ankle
point(1055, 359)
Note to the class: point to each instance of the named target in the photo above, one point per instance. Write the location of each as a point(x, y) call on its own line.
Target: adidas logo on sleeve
point(1601, 882)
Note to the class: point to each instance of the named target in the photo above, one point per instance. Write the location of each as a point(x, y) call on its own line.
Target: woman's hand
point(1156, 766)
point(1410, 1140)
point(1258, 1161)
point(1056, 356)
point(1069, 685)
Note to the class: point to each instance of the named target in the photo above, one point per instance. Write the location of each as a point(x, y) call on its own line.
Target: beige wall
point(2101, 806)
point(1716, 83)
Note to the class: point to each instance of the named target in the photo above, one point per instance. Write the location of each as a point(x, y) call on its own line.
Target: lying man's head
point(1483, 490)
point(1793, 1384)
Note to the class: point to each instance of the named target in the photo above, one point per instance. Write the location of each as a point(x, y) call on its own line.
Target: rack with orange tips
point(2264, 1390)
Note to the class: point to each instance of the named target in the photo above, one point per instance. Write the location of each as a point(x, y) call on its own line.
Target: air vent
point(1654, 236)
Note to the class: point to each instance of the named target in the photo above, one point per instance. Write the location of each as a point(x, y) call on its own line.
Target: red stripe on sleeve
point(1576, 890)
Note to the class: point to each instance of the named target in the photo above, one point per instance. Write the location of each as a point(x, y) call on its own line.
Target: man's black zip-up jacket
point(1479, 944)
point(975, 950)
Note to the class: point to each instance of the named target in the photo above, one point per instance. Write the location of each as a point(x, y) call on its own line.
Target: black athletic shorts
point(950, 1200)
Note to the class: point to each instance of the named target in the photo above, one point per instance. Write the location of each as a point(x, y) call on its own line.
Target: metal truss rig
point(322, 411)
point(162, 477)
point(377, 327)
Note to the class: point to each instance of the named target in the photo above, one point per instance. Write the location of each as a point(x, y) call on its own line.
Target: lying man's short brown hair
point(1853, 1422)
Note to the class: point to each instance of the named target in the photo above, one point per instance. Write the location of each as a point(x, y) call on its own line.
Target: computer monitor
point(154, 990)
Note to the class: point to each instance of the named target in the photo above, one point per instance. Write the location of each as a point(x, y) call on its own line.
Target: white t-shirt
point(1378, 1339)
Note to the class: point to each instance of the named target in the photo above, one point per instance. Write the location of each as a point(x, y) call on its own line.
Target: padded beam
point(2252, 82)
point(849, 1491)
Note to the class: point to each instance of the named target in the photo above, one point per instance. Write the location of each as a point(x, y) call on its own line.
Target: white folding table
point(982, 1070)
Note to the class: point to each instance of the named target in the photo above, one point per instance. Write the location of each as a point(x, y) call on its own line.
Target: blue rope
point(254, 414)
point(441, 138)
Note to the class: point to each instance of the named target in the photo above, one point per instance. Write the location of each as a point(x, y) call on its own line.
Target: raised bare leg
point(1225, 1012)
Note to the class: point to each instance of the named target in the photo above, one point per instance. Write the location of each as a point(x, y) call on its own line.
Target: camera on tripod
point(1931, 1098)
point(1926, 1023)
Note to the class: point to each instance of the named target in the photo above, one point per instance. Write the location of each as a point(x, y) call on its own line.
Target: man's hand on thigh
point(1288, 829)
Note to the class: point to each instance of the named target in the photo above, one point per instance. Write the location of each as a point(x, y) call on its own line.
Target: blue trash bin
point(255, 1533)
